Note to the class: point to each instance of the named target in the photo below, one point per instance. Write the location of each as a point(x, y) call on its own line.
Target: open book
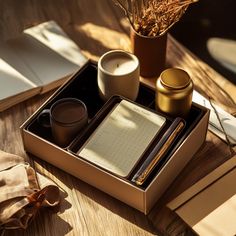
point(39, 60)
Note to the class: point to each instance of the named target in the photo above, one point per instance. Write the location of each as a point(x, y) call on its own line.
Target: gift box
point(38, 140)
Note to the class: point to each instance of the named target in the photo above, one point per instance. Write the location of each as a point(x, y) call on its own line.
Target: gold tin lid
point(175, 78)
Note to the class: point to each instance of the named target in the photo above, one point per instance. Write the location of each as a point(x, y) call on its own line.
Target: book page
point(11, 62)
point(14, 86)
point(51, 35)
point(11, 81)
point(48, 52)
point(120, 140)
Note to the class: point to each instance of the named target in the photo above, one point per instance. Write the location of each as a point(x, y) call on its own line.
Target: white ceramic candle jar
point(118, 74)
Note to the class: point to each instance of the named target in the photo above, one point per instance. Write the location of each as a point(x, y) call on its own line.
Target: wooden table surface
point(98, 26)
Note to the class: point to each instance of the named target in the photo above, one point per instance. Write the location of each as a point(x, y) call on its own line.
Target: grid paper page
point(122, 137)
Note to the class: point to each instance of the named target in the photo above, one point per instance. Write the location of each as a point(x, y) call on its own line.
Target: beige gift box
point(209, 206)
point(83, 85)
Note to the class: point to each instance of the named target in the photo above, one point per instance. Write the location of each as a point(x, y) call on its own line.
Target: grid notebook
point(119, 141)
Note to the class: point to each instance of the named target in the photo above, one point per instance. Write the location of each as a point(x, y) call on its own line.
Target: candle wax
point(119, 64)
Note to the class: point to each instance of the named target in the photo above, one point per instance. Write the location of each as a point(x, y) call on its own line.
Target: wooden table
point(98, 26)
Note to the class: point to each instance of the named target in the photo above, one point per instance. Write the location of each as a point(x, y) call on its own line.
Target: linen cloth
point(22, 192)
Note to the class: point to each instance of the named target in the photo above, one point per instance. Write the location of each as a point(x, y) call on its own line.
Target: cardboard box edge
point(202, 184)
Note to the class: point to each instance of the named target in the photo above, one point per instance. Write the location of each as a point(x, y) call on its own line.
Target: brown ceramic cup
point(67, 117)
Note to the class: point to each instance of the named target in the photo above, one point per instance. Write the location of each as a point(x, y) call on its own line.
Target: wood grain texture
point(98, 26)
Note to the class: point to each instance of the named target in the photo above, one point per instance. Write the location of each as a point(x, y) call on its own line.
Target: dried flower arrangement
point(153, 17)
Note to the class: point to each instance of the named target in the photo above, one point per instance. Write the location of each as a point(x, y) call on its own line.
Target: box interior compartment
point(83, 85)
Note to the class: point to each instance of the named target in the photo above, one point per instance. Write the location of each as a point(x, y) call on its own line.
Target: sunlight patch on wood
point(108, 38)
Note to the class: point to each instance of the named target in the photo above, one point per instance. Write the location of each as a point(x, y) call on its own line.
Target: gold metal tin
point(174, 90)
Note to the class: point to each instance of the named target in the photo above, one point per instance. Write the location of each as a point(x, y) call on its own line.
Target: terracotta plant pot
point(151, 52)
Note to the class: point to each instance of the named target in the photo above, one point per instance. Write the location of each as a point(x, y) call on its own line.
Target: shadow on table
point(38, 225)
point(208, 20)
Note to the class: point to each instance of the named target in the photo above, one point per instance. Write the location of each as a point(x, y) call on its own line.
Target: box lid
point(209, 206)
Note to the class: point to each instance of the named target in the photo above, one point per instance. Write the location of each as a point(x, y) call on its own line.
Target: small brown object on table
point(98, 26)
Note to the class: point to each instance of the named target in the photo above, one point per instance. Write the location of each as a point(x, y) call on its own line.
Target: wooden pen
point(159, 151)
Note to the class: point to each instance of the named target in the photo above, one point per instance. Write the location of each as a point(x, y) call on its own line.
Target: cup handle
point(44, 118)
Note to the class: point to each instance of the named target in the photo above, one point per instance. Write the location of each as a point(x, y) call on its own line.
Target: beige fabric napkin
point(22, 192)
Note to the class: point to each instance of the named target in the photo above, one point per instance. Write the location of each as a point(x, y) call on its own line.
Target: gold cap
point(175, 78)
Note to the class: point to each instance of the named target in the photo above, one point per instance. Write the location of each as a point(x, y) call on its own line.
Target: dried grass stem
point(153, 17)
